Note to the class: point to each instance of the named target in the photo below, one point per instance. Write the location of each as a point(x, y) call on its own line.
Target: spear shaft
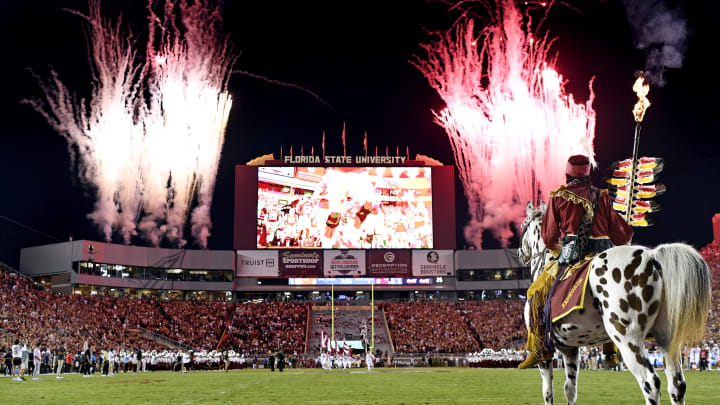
point(633, 173)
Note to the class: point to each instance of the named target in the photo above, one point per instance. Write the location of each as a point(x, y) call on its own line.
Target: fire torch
point(633, 183)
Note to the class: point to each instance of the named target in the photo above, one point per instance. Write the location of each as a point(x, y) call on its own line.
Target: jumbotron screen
point(344, 207)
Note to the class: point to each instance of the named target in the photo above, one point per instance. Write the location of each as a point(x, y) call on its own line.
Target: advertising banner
point(344, 262)
point(301, 262)
point(253, 263)
point(389, 263)
point(432, 263)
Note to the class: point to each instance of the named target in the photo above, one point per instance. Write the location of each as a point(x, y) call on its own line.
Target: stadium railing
point(164, 340)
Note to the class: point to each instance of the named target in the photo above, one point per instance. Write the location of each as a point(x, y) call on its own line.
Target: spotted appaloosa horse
point(633, 292)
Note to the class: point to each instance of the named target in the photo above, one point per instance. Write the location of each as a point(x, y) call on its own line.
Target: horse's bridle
point(534, 256)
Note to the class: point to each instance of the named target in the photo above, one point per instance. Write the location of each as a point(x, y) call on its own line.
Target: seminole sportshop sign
point(301, 262)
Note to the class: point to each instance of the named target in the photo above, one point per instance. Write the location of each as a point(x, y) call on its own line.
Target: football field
point(382, 386)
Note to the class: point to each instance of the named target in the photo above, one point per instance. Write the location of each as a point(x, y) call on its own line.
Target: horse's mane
point(530, 218)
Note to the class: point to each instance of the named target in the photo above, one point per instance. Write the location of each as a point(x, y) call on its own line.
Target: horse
point(633, 292)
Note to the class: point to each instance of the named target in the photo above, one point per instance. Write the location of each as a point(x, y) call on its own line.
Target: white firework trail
point(149, 137)
point(102, 135)
point(189, 106)
point(510, 121)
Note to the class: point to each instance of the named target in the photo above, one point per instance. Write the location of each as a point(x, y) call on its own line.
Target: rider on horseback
point(583, 216)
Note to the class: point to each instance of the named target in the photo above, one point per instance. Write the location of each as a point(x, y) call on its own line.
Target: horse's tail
point(686, 292)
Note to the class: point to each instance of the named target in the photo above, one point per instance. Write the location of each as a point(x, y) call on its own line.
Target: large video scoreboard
point(282, 206)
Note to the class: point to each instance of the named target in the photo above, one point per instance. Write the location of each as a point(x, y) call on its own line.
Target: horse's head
point(531, 244)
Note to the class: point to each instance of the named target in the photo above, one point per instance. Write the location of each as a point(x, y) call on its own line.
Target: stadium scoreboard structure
point(303, 228)
point(312, 218)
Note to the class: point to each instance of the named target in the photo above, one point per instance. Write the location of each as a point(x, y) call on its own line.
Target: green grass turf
point(382, 386)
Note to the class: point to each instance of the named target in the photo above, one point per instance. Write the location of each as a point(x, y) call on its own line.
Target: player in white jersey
point(369, 360)
point(16, 360)
point(185, 361)
point(37, 360)
point(111, 362)
point(325, 360)
point(25, 364)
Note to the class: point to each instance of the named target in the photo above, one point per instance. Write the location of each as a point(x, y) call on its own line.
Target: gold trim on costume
point(565, 194)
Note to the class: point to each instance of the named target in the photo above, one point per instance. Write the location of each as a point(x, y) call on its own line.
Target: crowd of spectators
point(429, 327)
point(185, 315)
point(29, 311)
point(33, 314)
point(267, 326)
point(496, 324)
point(711, 254)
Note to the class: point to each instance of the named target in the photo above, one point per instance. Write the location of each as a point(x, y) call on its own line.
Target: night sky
point(354, 54)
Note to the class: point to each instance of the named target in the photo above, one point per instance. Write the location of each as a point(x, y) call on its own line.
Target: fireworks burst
point(150, 135)
point(511, 123)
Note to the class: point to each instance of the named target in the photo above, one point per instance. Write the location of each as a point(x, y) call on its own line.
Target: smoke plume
point(661, 32)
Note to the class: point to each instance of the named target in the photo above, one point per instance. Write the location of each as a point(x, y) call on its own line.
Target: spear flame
point(642, 90)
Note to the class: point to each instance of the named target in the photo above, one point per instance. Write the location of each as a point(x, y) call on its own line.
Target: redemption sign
point(253, 263)
point(432, 263)
point(301, 262)
point(389, 263)
point(344, 262)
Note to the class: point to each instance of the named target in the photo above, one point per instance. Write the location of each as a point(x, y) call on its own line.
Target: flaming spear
point(632, 185)
point(642, 90)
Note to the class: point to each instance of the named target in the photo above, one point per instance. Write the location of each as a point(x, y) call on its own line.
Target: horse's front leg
point(546, 371)
point(571, 373)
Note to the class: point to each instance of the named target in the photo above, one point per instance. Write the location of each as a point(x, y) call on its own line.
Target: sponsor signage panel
point(344, 262)
point(301, 262)
point(389, 263)
point(254, 263)
point(432, 263)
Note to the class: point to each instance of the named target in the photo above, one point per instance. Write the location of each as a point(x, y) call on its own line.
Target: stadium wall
point(63, 260)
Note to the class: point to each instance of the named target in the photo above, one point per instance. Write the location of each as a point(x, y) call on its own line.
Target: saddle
point(569, 292)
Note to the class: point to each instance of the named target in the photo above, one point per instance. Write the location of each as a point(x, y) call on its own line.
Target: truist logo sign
point(258, 262)
point(254, 263)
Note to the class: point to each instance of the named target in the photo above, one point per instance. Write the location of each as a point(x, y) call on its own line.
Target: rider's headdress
point(578, 166)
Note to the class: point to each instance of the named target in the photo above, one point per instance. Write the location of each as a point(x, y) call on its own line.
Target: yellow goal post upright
point(372, 314)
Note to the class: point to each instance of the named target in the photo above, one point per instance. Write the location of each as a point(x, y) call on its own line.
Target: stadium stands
point(267, 326)
point(429, 327)
point(711, 253)
point(29, 311)
point(348, 322)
